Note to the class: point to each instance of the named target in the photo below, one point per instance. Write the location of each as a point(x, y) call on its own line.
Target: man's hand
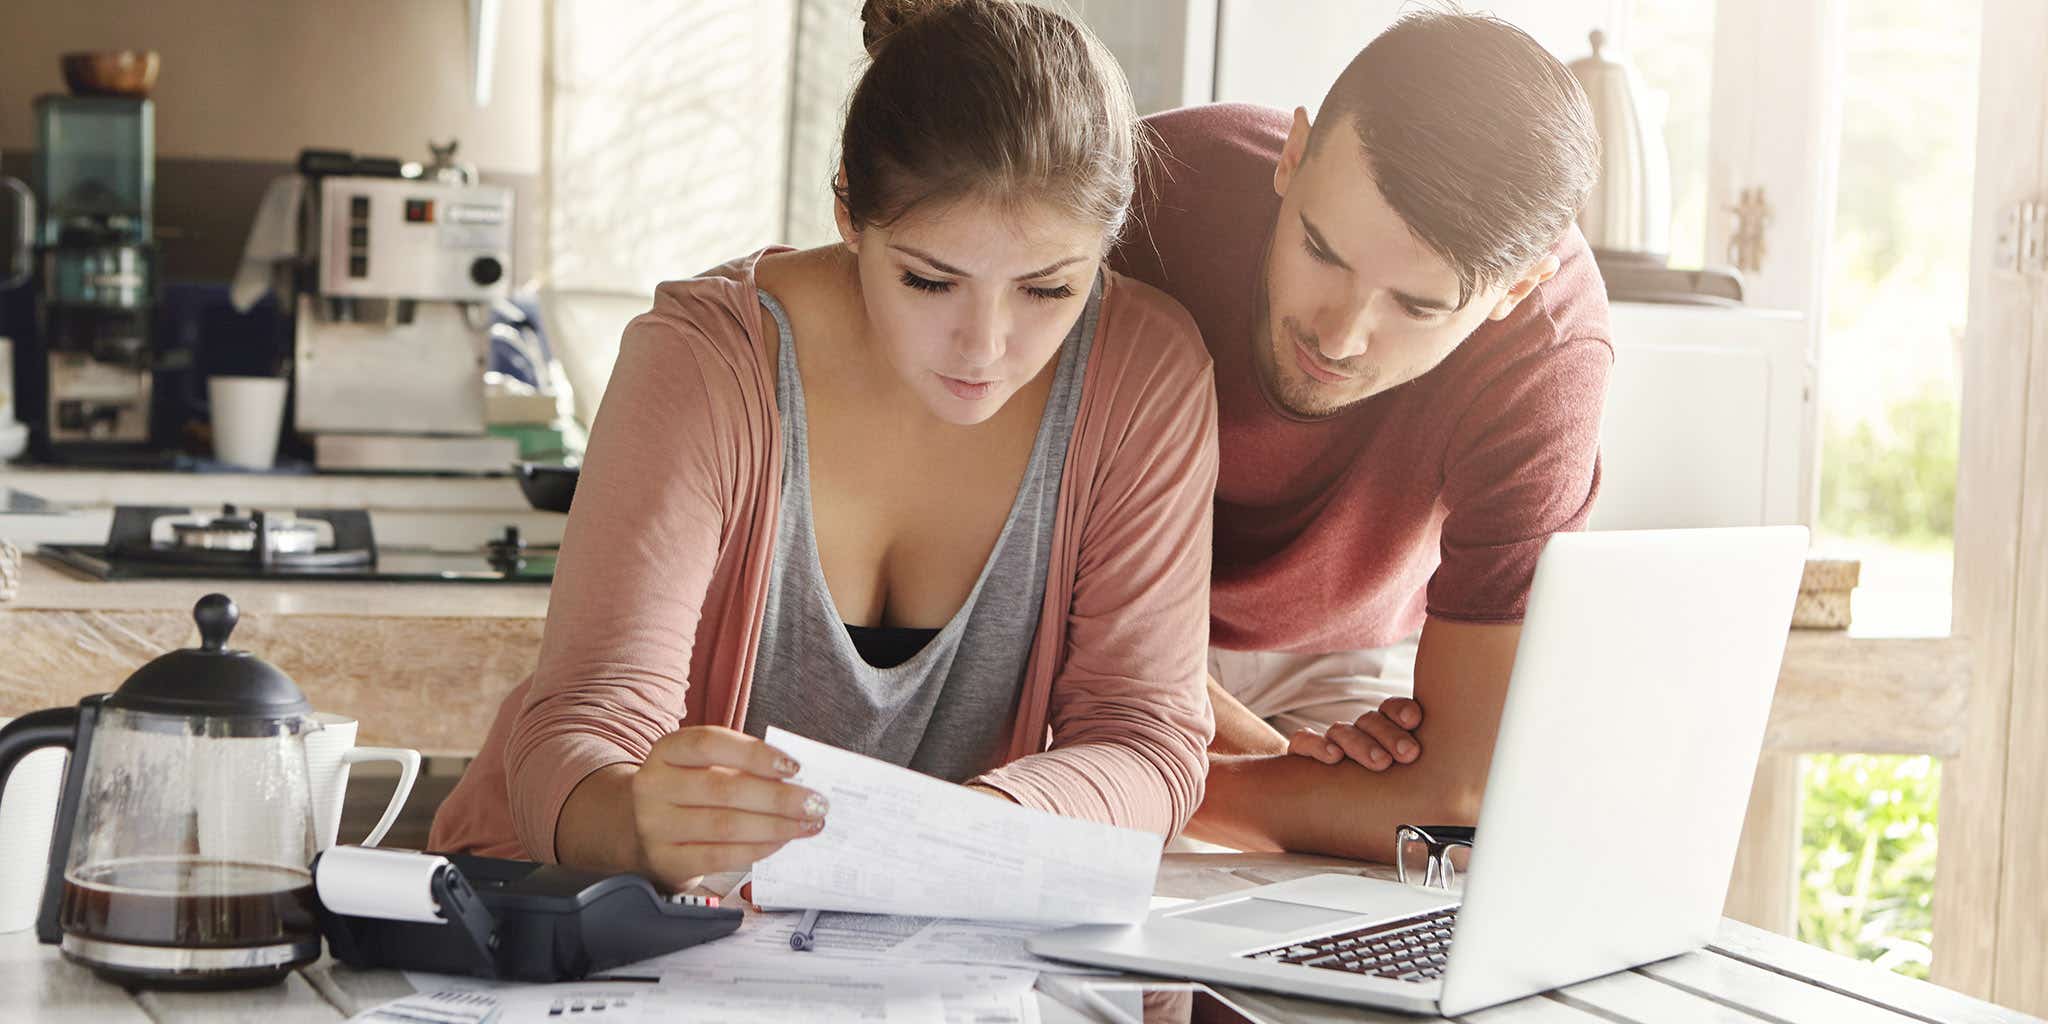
point(1378, 740)
point(1342, 809)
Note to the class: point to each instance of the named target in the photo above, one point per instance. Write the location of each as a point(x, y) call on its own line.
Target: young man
point(1411, 350)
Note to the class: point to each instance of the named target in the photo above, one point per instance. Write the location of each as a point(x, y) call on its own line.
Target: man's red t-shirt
point(1434, 497)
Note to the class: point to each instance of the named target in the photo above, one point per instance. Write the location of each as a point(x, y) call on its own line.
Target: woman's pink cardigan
point(655, 613)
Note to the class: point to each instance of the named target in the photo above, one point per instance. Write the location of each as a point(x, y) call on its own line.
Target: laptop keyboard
point(1411, 949)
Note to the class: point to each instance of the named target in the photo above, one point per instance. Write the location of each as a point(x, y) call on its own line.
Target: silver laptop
point(1613, 804)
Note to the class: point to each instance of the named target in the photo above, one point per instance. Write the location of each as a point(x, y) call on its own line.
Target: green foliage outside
point(1894, 481)
point(1897, 291)
point(1867, 850)
point(1866, 862)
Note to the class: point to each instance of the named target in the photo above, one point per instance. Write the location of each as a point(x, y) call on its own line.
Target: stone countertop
point(422, 665)
point(50, 588)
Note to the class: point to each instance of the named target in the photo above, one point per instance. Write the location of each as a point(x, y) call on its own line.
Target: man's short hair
point(1477, 137)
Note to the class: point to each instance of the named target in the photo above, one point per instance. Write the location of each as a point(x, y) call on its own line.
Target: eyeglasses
point(1433, 855)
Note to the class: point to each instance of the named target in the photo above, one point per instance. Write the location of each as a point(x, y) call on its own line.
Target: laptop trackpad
point(1267, 915)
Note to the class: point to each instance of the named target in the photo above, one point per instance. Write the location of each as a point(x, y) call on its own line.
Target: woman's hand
point(1378, 740)
point(709, 799)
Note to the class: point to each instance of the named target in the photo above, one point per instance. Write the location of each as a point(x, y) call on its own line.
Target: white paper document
point(827, 994)
point(923, 995)
point(883, 940)
point(898, 842)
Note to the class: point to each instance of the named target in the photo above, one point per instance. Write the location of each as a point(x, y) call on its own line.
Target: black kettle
point(184, 833)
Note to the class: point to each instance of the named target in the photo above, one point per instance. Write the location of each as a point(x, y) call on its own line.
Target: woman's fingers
point(710, 746)
point(718, 825)
point(708, 800)
point(726, 788)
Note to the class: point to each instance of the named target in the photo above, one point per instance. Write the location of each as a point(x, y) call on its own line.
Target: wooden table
point(1747, 976)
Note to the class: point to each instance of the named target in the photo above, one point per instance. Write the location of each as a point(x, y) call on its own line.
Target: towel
point(273, 238)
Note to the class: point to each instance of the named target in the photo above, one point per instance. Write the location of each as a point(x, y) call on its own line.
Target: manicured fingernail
point(814, 826)
point(814, 806)
point(1406, 748)
point(787, 765)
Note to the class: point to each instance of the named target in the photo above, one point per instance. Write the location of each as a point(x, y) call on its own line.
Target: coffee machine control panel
point(398, 238)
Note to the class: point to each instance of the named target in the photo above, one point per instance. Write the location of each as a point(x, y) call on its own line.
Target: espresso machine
point(397, 277)
point(95, 171)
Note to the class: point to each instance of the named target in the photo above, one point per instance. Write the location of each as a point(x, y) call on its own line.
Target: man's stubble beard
point(1290, 389)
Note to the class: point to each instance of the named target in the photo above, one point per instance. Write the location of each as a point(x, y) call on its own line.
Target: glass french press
point(185, 829)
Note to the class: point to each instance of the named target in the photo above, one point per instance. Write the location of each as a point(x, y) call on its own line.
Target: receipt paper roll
point(396, 885)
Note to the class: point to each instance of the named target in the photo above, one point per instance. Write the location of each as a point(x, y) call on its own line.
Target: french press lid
point(210, 679)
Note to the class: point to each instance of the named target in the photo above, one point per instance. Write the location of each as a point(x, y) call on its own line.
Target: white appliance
point(392, 340)
point(1590, 858)
point(1711, 419)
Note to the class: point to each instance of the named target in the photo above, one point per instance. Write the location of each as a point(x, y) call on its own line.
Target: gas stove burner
point(260, 540)
point(303, 544)
point(232, 531)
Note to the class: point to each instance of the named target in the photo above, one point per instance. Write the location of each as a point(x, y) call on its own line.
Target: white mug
point(248, 413)
point(330, 751)
point(28, 814)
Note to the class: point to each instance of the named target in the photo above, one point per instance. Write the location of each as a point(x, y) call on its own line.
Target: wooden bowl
point(130, 73)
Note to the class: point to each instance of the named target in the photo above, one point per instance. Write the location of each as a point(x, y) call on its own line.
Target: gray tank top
point(946, 712)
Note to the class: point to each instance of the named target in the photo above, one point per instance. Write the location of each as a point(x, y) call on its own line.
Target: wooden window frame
point(1979, 699)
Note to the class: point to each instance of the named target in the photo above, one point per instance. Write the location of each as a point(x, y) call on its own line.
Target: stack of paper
point(828, 994)
point(897, 842)
point(934, 888)
point(882, 940)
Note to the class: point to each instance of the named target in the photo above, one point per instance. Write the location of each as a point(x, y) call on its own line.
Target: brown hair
point(1476, 135)
point(994, 99)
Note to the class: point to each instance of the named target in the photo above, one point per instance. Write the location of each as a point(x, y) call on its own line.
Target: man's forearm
point(1342, 810)
point(1302, 804)
point(1238, 730)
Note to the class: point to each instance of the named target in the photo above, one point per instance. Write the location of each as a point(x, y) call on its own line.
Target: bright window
point(1677, 37)
point(1897, 291)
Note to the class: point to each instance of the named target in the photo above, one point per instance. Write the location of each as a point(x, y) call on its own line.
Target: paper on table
point(897, 842)
point(895, 996)
point(727, 995)
point(880, 939)
point(732, 997)
point(986, 995)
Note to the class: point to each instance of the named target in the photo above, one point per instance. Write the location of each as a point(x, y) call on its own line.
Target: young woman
point(939, 494)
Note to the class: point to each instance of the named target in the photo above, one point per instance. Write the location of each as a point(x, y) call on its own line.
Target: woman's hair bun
point(881, 18)
point(1005, 100)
